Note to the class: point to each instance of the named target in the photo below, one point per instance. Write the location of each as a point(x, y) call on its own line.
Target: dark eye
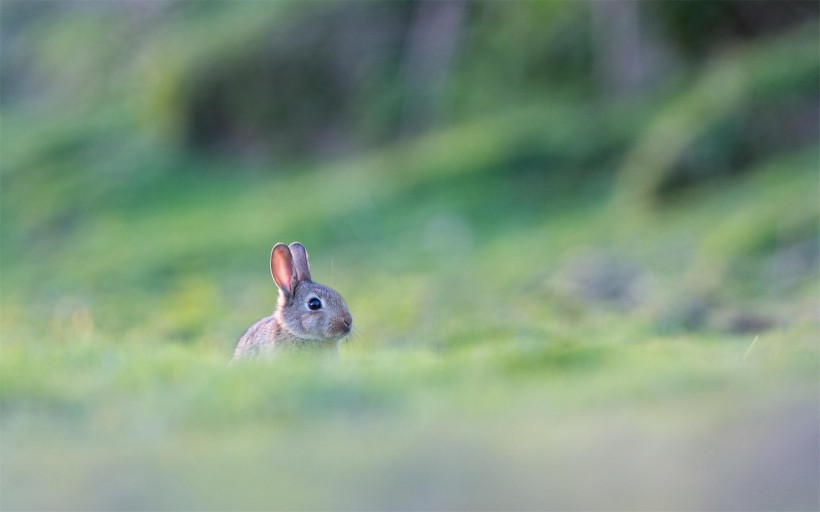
point(314, 304)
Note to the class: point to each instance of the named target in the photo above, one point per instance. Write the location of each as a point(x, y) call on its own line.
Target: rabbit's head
point(306, 310)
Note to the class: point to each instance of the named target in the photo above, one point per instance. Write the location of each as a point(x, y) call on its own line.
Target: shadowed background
point(579, 241)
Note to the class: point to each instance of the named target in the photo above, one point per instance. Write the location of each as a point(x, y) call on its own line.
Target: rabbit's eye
point(314, 304)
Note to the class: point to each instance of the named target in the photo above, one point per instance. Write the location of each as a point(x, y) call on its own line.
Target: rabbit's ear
point(281, 268)
point(301, 265)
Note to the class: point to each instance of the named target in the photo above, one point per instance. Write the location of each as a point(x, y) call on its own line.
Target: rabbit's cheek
point(310, 323)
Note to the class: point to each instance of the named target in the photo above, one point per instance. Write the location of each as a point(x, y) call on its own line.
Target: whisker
point(352, 335)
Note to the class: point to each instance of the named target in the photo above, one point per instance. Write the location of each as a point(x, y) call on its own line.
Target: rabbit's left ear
point(282, 269)
point(301, 265)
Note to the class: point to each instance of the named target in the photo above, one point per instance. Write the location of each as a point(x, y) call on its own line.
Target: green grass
point(479, 376)
point(523, 339)
point(515, 422)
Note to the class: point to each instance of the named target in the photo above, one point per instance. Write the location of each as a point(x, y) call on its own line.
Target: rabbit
point(308, 315)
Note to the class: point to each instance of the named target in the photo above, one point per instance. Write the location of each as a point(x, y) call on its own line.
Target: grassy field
point(574, 304)
point(519, 342)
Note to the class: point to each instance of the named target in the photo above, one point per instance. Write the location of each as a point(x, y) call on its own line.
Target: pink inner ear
point(281, 267)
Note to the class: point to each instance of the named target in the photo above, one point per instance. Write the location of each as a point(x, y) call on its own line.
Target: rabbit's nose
point(348, 320)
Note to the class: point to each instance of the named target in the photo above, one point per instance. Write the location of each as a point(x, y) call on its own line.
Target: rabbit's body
point(308, 315)
point(260, 339)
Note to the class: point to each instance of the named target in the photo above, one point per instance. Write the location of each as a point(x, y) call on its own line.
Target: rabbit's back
point(259, 340)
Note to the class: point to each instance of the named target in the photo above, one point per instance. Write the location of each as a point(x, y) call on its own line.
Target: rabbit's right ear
point(300, 261)
point(281, 268)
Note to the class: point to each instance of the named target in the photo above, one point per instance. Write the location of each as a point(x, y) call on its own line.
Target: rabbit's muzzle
point(343, 325)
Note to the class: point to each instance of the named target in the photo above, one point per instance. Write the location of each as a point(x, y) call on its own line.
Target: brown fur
point(294, 326)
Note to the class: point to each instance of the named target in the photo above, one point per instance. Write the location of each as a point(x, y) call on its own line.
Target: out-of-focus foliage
point(737, 112)
point(579, 241)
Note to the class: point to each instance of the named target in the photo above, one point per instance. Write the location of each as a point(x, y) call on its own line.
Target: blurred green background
point(579, 241)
